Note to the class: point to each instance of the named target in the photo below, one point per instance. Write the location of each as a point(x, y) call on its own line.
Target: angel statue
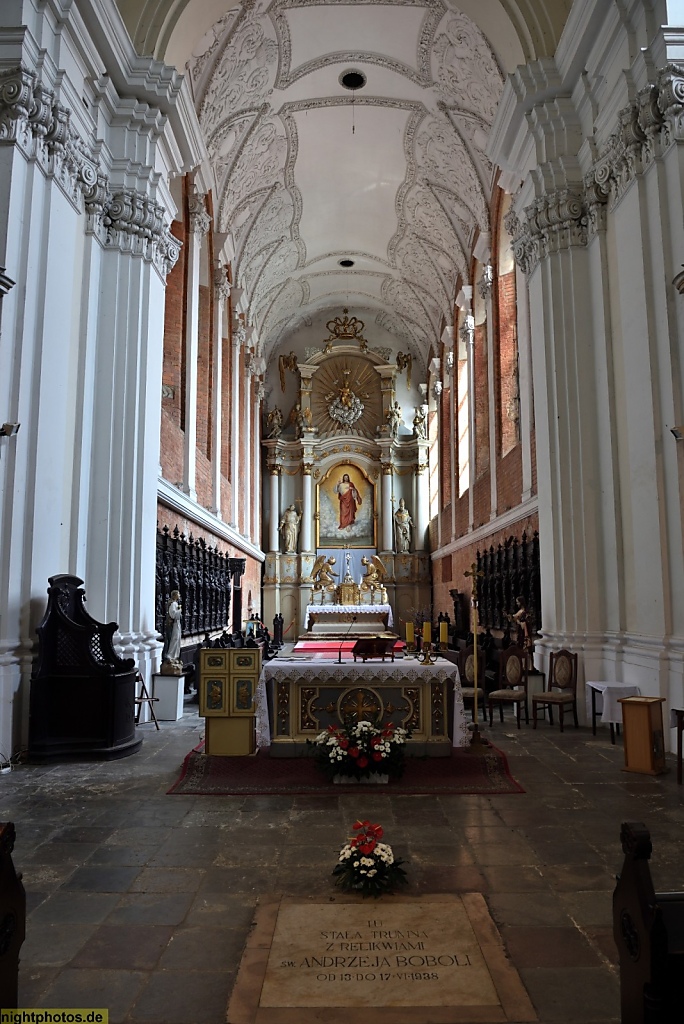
point(376, 573)
point(301, 418)
point(322, 575)
point(287, 363)
point(404, 362)
point(274, 423)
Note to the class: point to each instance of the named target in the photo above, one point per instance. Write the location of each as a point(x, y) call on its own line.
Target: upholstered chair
point(512, 683)
point(562, 688)
point(466, 668)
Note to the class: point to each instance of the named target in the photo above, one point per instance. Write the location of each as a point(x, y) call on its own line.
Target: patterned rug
point(202, 774)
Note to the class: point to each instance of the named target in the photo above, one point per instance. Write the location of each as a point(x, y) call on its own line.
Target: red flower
point(377, 757)
point(376, 741)
point(366, 848)
point(363, 761)
point(344, 743)
point(354, 752)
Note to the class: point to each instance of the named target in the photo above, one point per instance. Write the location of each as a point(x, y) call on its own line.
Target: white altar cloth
point(403, 671)
point(350, 609)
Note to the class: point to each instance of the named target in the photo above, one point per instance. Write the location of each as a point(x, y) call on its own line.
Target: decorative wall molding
point(176, 500)
point(120, 218)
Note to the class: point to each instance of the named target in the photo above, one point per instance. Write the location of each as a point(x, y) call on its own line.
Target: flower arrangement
point(366, 865)
point(361, 749)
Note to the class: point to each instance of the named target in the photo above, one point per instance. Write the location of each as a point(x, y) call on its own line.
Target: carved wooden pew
point(12, 918)
point(648, 928)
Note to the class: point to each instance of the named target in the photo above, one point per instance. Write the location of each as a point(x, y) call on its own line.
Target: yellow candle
point(443, 633)
point(427, 632)
point(410, 636)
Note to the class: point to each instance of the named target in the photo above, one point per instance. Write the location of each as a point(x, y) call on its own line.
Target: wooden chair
point(562, 691)
point(512, 683)
point(466, 668)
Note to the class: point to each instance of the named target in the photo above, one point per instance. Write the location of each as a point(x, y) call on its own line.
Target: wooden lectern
point(642, 721)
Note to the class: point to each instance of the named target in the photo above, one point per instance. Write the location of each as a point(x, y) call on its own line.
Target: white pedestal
point(169, 690)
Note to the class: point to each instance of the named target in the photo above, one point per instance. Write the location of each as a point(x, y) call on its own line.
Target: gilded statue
point(288, 362)
point(322, 575)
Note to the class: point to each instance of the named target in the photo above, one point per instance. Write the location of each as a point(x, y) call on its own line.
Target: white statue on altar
point(402, 527)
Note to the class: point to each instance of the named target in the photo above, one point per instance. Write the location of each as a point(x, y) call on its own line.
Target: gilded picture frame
point(242, 693)
point(214, 697)
point(345, 508)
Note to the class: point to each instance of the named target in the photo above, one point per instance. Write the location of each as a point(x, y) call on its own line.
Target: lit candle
point(443, 633)
point(427, 632)
point(410, 635)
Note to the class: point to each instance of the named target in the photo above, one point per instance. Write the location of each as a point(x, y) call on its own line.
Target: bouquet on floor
point(358, 750)
point(366, 865)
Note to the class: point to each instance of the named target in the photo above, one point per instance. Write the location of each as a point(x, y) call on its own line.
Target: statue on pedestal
point(289, 527)
point(419, 426)
point(171, 663)
point(322, 575)
point(274, 423)
point(402, 528)
point(393, 418)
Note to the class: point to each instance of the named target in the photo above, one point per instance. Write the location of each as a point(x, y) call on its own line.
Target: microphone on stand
point(339, 653)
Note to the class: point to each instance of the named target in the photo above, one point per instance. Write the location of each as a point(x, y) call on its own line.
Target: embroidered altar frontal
point(307, 698)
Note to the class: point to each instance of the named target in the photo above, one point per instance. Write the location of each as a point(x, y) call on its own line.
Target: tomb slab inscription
point(418, 954)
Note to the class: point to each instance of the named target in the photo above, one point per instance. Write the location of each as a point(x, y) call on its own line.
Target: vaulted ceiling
point(368, 198)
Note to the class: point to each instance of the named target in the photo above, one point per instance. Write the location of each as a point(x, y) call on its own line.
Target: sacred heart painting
point(346, 509)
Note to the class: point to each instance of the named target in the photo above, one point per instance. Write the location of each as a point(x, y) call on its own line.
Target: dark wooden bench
point(12, 918)
point(374, 647)
point(648, 928)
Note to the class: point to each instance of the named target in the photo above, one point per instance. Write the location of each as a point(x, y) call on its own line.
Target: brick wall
point(204, 370)
point(508, 404)
point(445, 447)
point(481, 402)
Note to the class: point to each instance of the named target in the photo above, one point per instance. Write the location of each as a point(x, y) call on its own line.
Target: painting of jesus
point(349, 499)
point(346, 509)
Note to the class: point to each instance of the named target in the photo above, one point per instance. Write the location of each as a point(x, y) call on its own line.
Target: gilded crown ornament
point(345, 328)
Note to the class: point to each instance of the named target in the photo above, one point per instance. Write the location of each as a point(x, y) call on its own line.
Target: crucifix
point(475, 739)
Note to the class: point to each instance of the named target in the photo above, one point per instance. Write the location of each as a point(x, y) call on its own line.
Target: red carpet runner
point(463, 773)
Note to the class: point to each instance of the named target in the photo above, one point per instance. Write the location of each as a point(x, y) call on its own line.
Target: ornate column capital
point(387, 468)
point(200, 221)
point(486, 281)
point(467, 331)
point(307, 468)
point(221, 283)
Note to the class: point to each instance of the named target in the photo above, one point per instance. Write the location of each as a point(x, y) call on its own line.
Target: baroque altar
point(305, 698)
point(348, 478)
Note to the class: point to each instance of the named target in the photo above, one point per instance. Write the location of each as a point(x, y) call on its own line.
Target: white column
point(307, 509)
point(524, 380)
point(422, 503)
point(246, 478)
point(256, 465)
point(469, 331)
point(387, 511)
point(274, 512)
point(199, 225)
point(221, 293)
point(486, 288)
point(235, 478)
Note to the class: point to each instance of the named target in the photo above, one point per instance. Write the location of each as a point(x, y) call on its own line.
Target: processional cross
point(474, 575)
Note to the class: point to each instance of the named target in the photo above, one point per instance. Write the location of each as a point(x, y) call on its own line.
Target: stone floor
point(141, 902)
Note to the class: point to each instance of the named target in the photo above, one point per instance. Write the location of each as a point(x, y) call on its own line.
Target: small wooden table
point(612, 712)
point(644, 738)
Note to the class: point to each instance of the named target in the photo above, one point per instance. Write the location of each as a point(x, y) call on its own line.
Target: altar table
point(611, 713)
point(344, 612)
point(305, 697)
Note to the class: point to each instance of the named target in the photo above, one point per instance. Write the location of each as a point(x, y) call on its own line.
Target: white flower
point(373, 872)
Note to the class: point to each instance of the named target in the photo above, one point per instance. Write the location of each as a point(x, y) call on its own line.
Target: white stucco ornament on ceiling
point(390, 179)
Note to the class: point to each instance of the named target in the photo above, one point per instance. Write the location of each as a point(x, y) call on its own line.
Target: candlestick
point(410, 633)
point(427, 632)
point(443, 633)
